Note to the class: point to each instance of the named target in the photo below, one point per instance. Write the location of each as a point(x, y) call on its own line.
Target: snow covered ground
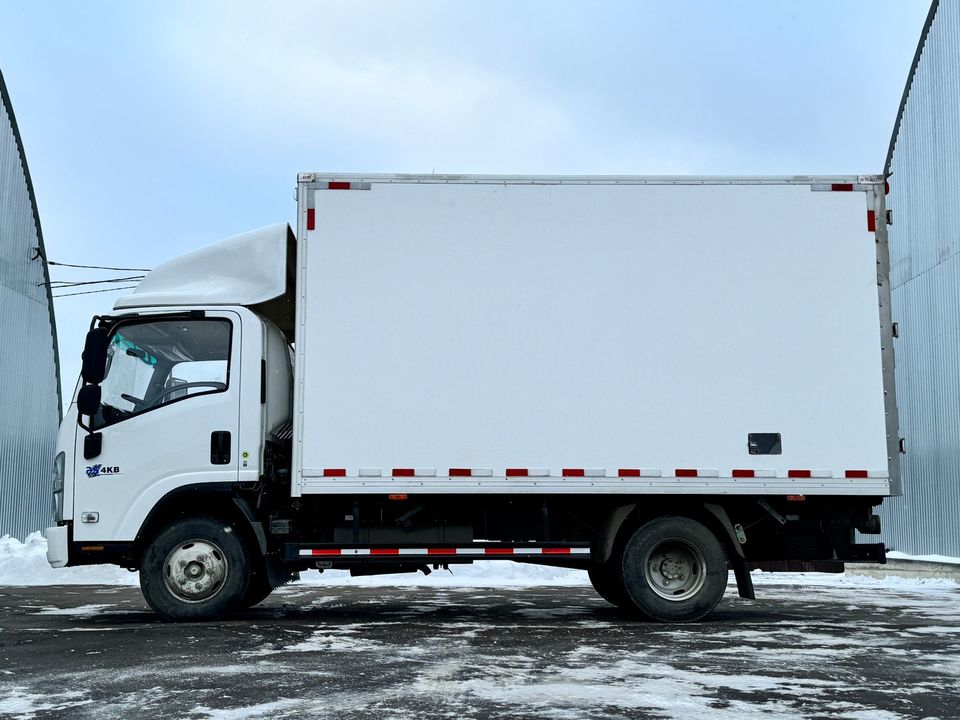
point(847, 650)
point(495, 639)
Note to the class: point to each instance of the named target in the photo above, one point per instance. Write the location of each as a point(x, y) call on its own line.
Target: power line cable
point(60, 284)
point(98, 267)
point(91, 292)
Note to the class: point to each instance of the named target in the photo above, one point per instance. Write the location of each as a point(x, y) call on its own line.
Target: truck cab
point(189, 398)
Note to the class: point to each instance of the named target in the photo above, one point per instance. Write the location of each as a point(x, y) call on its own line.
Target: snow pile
point(25, 563)
point(852, 581)
point(894, 555)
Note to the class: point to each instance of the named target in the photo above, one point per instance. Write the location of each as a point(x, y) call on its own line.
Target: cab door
point(169, 417)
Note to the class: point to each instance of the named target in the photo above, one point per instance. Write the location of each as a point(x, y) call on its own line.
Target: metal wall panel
point(924, 168)
point(29, 391)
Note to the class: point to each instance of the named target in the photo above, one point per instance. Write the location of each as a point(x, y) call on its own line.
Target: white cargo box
point(477, 334)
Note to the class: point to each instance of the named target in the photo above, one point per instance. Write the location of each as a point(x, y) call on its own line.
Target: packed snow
point(25, 563)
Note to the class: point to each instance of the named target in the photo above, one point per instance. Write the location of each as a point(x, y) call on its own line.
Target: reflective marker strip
point(871, 221)
point(694, 472)
point(311, 219)
point(441, 551)
point(343, 185)
point(842, 187)
point(753, 473)
point(622, 473)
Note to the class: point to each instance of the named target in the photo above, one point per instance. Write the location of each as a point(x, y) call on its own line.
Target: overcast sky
point(153, 129)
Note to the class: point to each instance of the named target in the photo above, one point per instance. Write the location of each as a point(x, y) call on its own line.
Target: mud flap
point(737, 560)
point(744, 580)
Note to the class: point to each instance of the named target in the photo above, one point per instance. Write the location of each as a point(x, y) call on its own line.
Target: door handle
point(220, 447)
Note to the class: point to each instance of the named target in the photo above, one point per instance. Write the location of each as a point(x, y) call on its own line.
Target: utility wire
point(96, 267)
point(60, 284)
point(91, 292)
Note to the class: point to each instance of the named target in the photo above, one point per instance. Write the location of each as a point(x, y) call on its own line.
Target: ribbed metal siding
point(925, 267)
point(29, 404)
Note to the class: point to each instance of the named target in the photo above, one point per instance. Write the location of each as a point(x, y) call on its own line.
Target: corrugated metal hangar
point(923, 165)
point(28, 352)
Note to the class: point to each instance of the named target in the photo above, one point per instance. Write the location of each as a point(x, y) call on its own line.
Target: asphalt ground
point(539, 652)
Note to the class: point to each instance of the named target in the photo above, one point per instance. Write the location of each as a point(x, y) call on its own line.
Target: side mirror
point(88, 400)
point(95, 357)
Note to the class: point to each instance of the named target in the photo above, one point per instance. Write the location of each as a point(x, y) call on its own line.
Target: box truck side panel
point(459, 337)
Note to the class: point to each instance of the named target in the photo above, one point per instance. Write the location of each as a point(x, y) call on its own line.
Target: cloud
point(336, 88)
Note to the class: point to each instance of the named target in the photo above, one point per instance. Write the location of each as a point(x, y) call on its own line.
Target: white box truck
point(654, 379)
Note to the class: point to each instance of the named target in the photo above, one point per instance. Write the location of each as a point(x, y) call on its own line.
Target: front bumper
point(57, 545)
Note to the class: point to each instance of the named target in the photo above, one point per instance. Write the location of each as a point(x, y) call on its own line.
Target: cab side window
point(154, 363)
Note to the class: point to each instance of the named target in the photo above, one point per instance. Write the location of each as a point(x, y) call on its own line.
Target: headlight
point(58, 472)
point(58, 464)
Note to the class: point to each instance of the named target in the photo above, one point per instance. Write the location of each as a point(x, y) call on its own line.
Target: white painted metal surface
point(640, 323)
point(243, 270)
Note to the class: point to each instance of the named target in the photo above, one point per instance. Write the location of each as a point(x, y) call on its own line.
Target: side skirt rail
point(471, 551)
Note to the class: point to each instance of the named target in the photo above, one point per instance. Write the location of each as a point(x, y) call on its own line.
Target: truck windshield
point(152, 364)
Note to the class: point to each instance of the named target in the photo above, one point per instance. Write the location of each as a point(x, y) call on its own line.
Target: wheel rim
point(675, 569)
point(195, 571)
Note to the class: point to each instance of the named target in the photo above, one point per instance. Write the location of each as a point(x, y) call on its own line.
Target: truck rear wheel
point(607, 582)
point(674, 570)
point(196, 569)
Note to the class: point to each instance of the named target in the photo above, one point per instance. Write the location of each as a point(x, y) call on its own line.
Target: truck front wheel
point(196, 569)
point(674, 570)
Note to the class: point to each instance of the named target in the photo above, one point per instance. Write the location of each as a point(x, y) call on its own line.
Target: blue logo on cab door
point(99, 470)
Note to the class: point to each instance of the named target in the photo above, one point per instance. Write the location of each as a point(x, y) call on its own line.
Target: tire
point(609, 585)
point(196, 569)
point(674, 570)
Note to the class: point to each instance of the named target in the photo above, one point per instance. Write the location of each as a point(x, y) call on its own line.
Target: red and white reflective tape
point(414, 472)
point(574, 474)
point(470, 472)
point(753, 473)
point(444, 551)
point(695, 472)
point(344, 185)
point(638, 472)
